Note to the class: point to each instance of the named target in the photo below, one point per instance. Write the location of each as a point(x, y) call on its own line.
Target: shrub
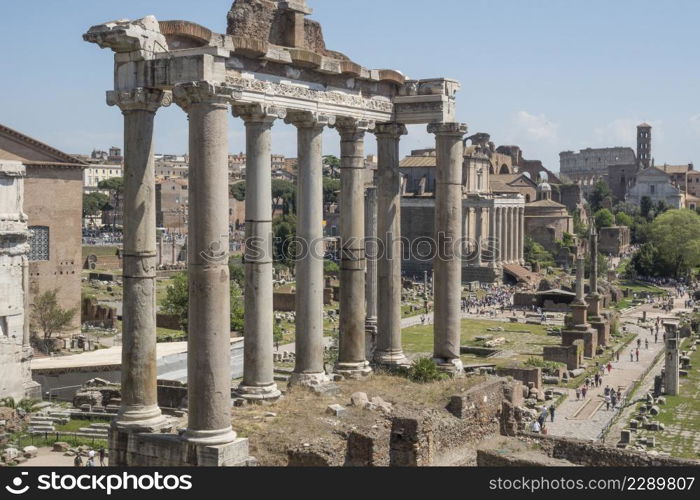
point(423, 371)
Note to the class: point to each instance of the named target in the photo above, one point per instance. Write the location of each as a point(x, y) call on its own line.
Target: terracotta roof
point(545, 204)
point(418, 161)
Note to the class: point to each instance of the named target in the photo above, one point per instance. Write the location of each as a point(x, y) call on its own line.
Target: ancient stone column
point(492, 237)
point(521, 221)
point(447, 265)
point(579, 305)
point(209, 316)
point(510, 234)
point(517, 237)
point(258, 368)
point(308, 367)
point(139, 409)
point(502, 235)
point(594, 297)
point(371, 273)
point(671, 373)
point(389, 350)
point(479, 233)
point(352, 360)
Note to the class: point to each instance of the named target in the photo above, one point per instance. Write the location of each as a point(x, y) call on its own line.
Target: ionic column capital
point(139, 99)
point(308, 119)
point(259, 113)
point(390, 130)
point(353, 129)
point(187, 94)
point(450, 128)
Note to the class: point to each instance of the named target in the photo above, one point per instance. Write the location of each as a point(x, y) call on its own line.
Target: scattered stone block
point(30, 451)
point(359, 399)
point(654, 410)
point(625, 436)
point(336, 410)
point(61, 446)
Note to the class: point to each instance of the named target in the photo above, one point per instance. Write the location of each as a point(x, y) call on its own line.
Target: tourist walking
point(584, 390)
point(632, 356)
point(610, 364)
point(578, 394)
point(552, 409)
point(613, 399)
point(637, 353)
point(607, 401)
point(646, 344)
point(102, 454)
point(77, 461)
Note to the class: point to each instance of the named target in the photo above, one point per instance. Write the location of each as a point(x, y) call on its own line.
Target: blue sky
point(548, 75)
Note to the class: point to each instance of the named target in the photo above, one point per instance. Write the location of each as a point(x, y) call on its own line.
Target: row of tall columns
point(209, 382)
point(447, 265)
point(508, 226)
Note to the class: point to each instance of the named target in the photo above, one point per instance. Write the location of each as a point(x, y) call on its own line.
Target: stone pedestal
point(389, 350)
point(447, 264)
point(258, 369)
point(352, 361)
point(588, 335)
point(133, 449)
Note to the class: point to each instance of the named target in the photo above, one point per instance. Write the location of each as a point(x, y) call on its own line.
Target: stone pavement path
point(587, 418)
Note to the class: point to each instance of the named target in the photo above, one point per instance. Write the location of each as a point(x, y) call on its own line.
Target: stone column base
point(258, 394)
point(391, 358)
point(317, 382)
point(603, 329)
point(131, 449)
point(452, 366)
point(353, 370)
point(140, 419)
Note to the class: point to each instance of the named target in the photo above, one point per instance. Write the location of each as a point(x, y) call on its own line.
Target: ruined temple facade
point(15, 349)
point(271, 65)
point(493, 223)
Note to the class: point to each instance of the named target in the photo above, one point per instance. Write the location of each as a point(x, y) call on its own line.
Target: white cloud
point(535, 127)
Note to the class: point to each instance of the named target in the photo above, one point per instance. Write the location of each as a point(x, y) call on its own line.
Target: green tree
point(645, 259)
point(284, 193)
point(601, 192)
point(676, 235)
point(113, 184)
point(331, 188)
point(333, 163)
point(622, 219)
point(176, 302)
point(646, 207)
point(580, 227)
point(604, 218)
point(284, 232)
point(236, 272)
point(49, 318)
point(237, 191)
point(534, 252)
point(94, 203)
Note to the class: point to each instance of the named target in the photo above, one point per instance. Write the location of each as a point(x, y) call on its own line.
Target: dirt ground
point(302, 419)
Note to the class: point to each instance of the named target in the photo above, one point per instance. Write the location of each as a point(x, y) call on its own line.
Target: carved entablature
point(426, 101)
point(142, 36)
point(304, 98)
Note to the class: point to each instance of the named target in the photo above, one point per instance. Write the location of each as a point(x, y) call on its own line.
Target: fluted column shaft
point(479, 233)
point(389, 348)
point(521, 222)
point(139, 409)
point(258, 368)
point(371, 201)
point(209, 316)
point(308, 367)
point(351, 354)
point(447, 264)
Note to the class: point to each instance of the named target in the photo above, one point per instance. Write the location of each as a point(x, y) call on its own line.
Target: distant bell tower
point(644, 145)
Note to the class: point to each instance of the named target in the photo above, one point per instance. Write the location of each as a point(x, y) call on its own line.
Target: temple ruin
point(272, 64)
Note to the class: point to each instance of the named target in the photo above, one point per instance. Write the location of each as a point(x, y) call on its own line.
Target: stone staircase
point(95, 430)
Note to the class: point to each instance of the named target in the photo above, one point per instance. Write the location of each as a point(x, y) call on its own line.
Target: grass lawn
point(522, 341)
point(639, 287)
point(74, 425)
point(681, 416)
